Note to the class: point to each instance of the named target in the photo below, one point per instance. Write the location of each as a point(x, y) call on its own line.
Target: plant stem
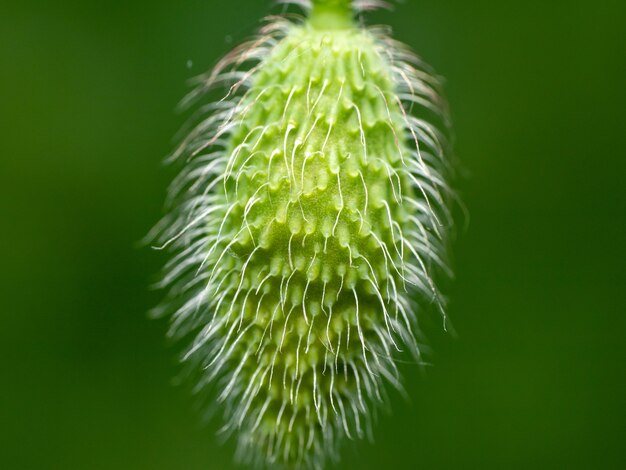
point(332, 15)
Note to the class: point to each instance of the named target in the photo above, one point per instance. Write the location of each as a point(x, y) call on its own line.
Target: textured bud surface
point(313, 212)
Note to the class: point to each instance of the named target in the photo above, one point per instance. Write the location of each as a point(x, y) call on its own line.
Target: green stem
point(332, 14)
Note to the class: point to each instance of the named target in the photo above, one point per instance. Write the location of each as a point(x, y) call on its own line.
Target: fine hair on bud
point(308, 231)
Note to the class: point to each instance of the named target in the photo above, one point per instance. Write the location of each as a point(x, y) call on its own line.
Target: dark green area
point(536, 377)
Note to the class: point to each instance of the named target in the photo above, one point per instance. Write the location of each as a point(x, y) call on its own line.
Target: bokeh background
point(536, 377)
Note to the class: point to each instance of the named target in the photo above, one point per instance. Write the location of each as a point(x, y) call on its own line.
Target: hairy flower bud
point(307, 224)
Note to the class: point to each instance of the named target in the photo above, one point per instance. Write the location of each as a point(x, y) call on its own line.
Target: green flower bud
point(308, 225)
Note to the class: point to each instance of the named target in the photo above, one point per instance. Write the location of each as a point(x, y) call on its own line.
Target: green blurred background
point(536, 377)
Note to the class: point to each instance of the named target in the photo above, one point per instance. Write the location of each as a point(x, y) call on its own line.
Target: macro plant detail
point(308, 230)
